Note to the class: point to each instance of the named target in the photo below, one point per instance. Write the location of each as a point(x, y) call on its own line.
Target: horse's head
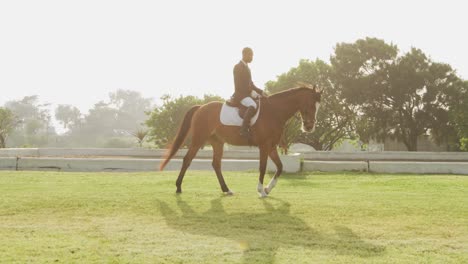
point(309, 108)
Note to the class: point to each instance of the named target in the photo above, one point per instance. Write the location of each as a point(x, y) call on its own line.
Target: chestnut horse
point(205, 126)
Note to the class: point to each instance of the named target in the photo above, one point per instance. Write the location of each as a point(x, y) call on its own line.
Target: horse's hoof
point(262, 195)
point(266, 191)
point(229, 193)
point(178, 192)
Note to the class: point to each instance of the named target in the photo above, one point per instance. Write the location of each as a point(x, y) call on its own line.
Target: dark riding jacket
point(243, 83)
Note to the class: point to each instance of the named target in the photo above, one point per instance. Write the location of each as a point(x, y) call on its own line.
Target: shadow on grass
point(260, 234)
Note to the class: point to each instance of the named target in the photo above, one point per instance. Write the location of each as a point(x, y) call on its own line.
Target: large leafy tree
point(131, 109)
point(164, 121)
point(125, 111)
point(359, 73)
point(67, 115)
point(8, 122)
point(101, 120)
point(397, 97)
point(459, 113)
point(360, 68)
point(35, 127)
point(419, 89)
point(334, 118)
point(113, 120)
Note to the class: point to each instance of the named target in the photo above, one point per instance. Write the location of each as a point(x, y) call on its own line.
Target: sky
point(77, 52)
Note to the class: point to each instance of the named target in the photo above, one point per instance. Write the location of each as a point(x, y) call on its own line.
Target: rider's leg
point(249, 113)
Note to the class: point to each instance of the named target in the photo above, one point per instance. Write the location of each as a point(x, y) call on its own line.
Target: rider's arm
point(256, 89)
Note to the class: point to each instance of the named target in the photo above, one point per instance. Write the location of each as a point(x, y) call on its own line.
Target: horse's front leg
point(263, 163)
point(279, 169)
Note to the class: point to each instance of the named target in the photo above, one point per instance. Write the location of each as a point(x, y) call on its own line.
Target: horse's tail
point(180, 137)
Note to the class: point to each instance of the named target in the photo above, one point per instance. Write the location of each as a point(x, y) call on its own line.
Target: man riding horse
point(245, 90)
point(204, 125)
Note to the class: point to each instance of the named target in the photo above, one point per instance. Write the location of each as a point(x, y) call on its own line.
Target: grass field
point(50, 217)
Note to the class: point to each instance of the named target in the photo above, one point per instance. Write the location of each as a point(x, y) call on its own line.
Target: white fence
point(233, 160)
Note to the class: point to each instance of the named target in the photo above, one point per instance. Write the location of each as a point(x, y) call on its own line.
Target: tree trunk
point(412, 144)
point(2, 141)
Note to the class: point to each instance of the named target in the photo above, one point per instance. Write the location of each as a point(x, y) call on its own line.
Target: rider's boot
point(249, 113)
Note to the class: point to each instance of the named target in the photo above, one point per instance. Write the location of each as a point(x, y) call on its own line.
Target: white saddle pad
point(230, 116)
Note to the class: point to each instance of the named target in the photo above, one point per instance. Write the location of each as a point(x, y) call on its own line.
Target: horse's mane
point(289, 92)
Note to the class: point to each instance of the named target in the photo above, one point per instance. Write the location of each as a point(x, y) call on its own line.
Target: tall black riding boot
point(249, 113)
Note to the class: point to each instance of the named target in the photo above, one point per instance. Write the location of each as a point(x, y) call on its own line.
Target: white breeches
point(248, 101)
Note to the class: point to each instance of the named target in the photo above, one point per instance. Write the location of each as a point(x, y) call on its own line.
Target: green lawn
point(50, 217)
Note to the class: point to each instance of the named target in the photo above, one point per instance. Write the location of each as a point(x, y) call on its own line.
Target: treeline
point(116, 122)
point(371, 92)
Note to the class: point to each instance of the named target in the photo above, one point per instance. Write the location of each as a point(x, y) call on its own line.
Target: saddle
point(241, 107)
point(232, 114)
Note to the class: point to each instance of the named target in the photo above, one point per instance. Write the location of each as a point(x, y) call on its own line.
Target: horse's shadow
point(261, 234)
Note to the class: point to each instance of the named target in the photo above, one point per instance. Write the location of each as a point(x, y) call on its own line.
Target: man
point(245, 90)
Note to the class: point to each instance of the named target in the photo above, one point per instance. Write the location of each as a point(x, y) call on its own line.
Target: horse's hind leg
point(279, 169)
point(200, 133)
point(217, 156)
point(191, 152)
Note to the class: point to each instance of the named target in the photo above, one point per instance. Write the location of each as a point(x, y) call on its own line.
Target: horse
point(203, 122)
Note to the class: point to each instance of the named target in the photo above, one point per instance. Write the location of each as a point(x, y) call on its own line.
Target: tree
point(34, 128)
point(359, 73)
point(360, 68)
point(395, 97)
point(131, 108)
point(101, 119)
point(291, 132)
point(140, 136)
point(110, 122)
point(67, 115)
point(458, 113)
point(164, 121)
point(8, 122)
point(334, 117)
